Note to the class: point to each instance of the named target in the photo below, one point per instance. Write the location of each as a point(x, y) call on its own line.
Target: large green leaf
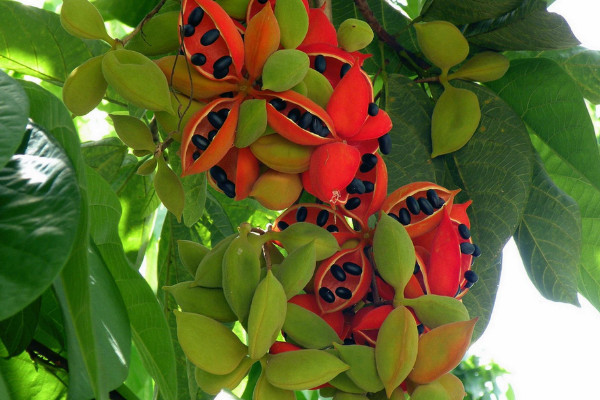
point(549, 239)
point(17, 331)
point(33, 42)
point(106, 156)
point(130, 12)
point(148, 326)
point(39, 196)
point(14, 110)
point(467, 11)
point(494, 170)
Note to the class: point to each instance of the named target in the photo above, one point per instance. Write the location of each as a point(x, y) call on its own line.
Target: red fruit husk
point(332, 168)
point(242, 168)
point(320, 29)
point(366, 323)
point(261, 40)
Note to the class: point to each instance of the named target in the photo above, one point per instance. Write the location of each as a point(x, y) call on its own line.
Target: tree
point(93, 266)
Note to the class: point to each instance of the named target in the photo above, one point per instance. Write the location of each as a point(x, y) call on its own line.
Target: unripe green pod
point(433, 310)
point(191, 254)
point(208, 344)
point(81, 18)
point(349, 396)
point(213, 384)
point(282, 155)
point(284, 69)
point(308, 329)
point(442, 43)
point(139, 80)
point(200, 300)
point(363, 370)
point(354, 34)
point(483, 67)
point(303, 369)
point(133, 132)
point(453, 386)
point(293, 22)
point(345, 384)
point(235, 8)
point(302, 233)
point(455, 118)
point(252, 122)
point(85, 87)
point(430, 391)
point(147, 167)
point(169, 188)
point(210, 270)
point(267, 314)
point(265, 391)
point(318, 88)
point(297, 269)
point(160, 35)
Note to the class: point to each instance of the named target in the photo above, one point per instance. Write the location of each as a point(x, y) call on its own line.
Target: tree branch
point(138, 28)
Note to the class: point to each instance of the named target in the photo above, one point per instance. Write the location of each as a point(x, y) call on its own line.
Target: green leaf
point(467, 11)
point(106, 156)
point(549, 239)
point(194, 188)
point(17, 331)
point(14, 110)
point(149, 329)
point(131, 12)
point(33, 42)
point(494, 169)
point(40, 202)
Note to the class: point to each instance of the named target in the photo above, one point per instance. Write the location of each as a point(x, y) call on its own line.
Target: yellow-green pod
point(85, 87)
point(191, 254)
point(433, 310)
point(264, 390)
point(442, 43)
point(308, 329)
point(363, 370)
point(293, 22)
point(133, 132)
point(297, 269)
point(81, 18)
point(169, 188)
point(210, 270)
point(213, 384)
point(302, 233)
point(483, 67)
point(200, 300)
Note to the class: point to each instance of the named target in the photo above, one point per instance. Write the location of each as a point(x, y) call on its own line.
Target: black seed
point(413, 205)
point(426, 206)
point(294, 114)
point(228, 188)
point(196, 16)
point(349, 341)
point(301, 214)
point(218, 174)
point(212, 134)
point(433, 198)
point(356, 186)
point(368, 162)
point(262, 1)
point(316, 125)
point(223, 113)
point(464, 232)
point(210, 37)
point(332, 228)
point(370, 297)
point(343, 292)
point(198, 59)
point(305, 120)
point(345, 68)
point(195, 155)
point(477, 251)
point(352, 268)
point(468, 285)
point(352, 203)
point(320, 63)
point(326, 295)
point(282, 225)
point(369, 186)
point(188, 30)
point(323, 131)
point(417, 269)
point(420, 328)
point(279, 104)
point(227, 94)
point(215, 119)
point(221, 73)
point(467, 248)
point(200, 142)
point(385, 144)
point(404, 216)
point(322, 217)
point(373, 109)
point(394, 216)
point(471, 276)
point(223, 62)
point(338, 273)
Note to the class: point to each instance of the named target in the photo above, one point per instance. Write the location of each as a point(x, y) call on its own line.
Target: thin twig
point(138, 28)
point(430, 79)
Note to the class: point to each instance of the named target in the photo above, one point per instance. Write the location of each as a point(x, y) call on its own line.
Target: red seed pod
point(211, 40)
point(320, 29)
point(332, 61)
point(343, 279)
point(261, 40)
point(309, 302)
point(366, 323)
point(209, 135)
point(282, 347)
point(235, 174)
point(332, 168)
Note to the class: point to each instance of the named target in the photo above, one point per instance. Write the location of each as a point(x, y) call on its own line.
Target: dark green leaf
point(139, 380)
point(17, 331)
point(549, 239)
point(105, 156)
point(467, 11)
point(50, 330)
point(40, 199)
point(14, 110)
point(130, 12)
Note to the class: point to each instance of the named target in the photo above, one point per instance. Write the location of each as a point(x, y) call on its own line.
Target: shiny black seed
point(223, 63)
point(420, 328)
point(294, 114)
point(320, 63)
point(316, 125)
point(262, 1)
point(200, 142)
point(323, 130)
point(352, 268)
point(477, 251)
point(468, 285)
point(385, 144)
point(345, 68)
point(195, 155)
point(417, 269)
point(305, 120)
point(356, 186)
point(404, 216)
point(188, 30)
point(223, 113)
point(282, 225)
point(426, 206)
point(434, 199)
point(373, 109)
point(322, 217)
point(227, 94)
point(467, 248)
point(326, 295)
point(198, 59)
point(212, 134)
point(413, 205)
point(332, 228)
point(215, 119)
point(228, 188)
point(343, 292)
point(352, 203)
point(218, 174)
point(368, 163)
point(210, 37)
point(301, 214)
point(394, 216)
point(471, 276)
point(196, 16)
point(349, 341)
point(221, 73)
point(279, 104)
point(338, 273)
point(464, 232)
